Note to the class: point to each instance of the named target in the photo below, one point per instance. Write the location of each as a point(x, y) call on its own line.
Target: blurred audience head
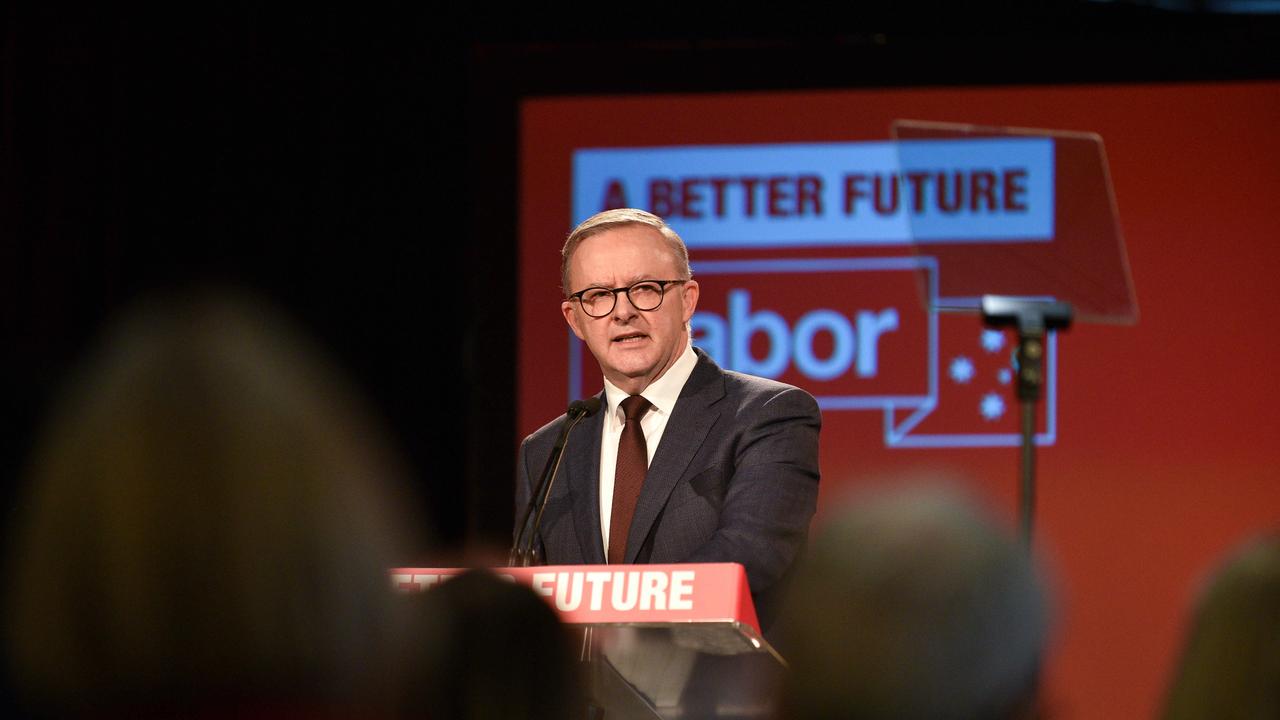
point(487, 648)
point(1230, 667)
point(914, 604)
point(208, 524)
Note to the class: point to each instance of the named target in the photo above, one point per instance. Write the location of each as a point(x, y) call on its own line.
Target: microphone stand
point(522, 552)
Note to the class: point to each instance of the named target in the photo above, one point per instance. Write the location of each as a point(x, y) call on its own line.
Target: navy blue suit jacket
point(734, 479)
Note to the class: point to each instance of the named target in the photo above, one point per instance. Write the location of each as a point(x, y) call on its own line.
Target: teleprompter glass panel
point(1011, 211)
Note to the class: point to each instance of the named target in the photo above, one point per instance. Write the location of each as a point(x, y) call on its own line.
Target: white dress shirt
point(662, 394)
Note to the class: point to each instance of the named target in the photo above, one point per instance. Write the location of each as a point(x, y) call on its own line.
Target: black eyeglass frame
point(662, 294)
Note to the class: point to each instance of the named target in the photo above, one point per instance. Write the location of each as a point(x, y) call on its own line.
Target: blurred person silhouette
point(208, 524)
point(487, 648)
point(1230, 667)
point(914, 604)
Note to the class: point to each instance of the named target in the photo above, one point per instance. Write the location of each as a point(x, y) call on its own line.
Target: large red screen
point(1157, 439)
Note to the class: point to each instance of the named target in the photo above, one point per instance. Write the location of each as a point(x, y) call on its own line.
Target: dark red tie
point(628, 477)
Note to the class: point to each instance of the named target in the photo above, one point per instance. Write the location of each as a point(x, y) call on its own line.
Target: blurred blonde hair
point(211, 515)
point(1230, 667)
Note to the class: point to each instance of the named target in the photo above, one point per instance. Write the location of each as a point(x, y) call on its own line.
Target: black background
point(358, 168)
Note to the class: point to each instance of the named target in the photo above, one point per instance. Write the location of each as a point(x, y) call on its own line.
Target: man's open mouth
point(630, 337)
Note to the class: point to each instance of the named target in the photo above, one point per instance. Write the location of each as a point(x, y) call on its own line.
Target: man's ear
point(571, 317)
point(690, 294)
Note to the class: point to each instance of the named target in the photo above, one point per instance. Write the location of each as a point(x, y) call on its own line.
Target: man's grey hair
point(611, 219)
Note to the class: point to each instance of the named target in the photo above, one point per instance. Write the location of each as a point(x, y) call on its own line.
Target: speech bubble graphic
point(937, 383)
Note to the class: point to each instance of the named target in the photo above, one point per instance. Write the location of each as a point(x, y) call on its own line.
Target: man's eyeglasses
point(644, 295)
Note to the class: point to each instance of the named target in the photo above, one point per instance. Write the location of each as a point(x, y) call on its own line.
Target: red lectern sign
point(631, 594)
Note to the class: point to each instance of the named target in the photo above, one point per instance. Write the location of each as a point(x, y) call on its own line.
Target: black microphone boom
point(522, 551)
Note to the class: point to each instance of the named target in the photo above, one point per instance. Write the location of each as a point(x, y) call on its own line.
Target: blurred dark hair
point(1230, 667)
point(487, 648)
point(209, 518)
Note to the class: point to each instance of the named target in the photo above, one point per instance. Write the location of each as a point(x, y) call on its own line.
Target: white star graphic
point(992, 340)
point(961, 369)
point(1005, 376)
point(991, 407)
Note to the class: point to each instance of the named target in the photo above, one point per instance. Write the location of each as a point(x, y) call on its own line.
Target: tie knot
point(635, 406)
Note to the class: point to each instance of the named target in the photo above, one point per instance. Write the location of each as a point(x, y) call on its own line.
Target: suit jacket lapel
point(690, 422)
point(582, 468)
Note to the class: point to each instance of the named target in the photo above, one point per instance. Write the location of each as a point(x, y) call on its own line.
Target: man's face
point(634, 347)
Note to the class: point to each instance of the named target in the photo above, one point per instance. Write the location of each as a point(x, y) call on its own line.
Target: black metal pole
point(1034, 319)
point(1028, 493)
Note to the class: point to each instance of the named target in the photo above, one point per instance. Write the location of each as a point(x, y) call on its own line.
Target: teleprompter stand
point(1032, 319)
point(1052, 257)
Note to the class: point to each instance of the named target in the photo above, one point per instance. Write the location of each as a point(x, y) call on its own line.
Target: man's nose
point(622, 308)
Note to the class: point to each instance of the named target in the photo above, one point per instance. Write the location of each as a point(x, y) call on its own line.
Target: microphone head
point(585, 408)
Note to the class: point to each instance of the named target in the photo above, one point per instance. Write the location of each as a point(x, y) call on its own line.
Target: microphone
point(522, 551)
point(587, 407)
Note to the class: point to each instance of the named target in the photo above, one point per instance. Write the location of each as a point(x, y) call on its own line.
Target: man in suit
point(686, 462)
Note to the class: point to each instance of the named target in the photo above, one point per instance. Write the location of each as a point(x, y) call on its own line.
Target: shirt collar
point(661, 393)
